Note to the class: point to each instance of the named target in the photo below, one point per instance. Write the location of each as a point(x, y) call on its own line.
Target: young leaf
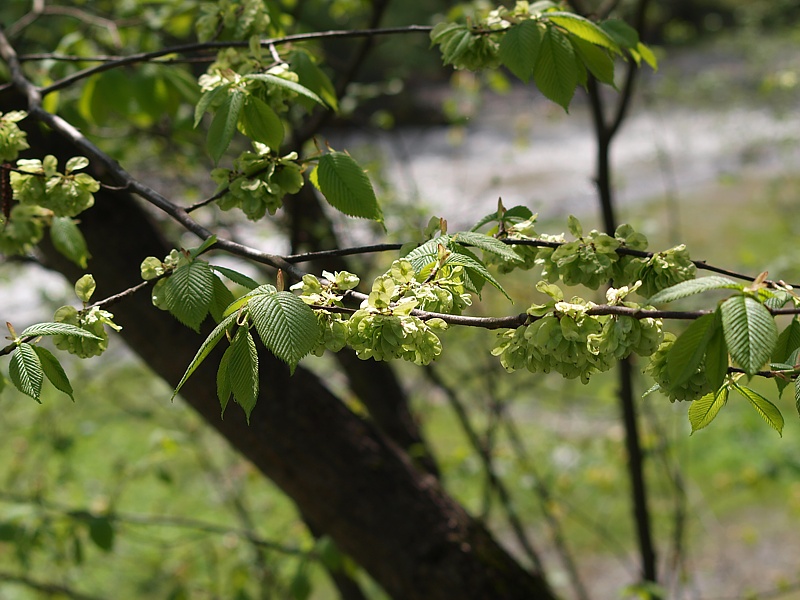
point(236, 277)
point(54, 371)
point(555, 73)
point(286, 84)
point(520, 47)
point(622, 33)
point(286, 325)
point(84, 288)
point(56, 329)
point(223, 382)
point(687, 352)
point(207, 99)
point(597, 60)
point(188, 293)
point(486, 243)
point(207, 243)
point(474, 267)
point(313, 78)
point(647, 55)
point(768, 411)
point(205, 349)
point(261, 123)
point(703, 410)
point(716, 364)
point(574, 226)
point(221, 299)
point(750, 332)
point(583, 29)
point(346, 186)
point(788, 342)
point(243, 370)
point(69, 241)
point(692, 287)
point(223, 125)
point(512, 215)
point(25, 371)
point(427, 254)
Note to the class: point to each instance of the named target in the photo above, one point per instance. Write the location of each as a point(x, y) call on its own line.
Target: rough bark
point(347, 477)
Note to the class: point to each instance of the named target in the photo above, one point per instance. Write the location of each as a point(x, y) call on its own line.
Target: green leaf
point(687, 352)
point(56, 329)
point(768, 411)
point(261, 123)
point(474, 267)
point(242, 370)
point(207, 99)
point(54, 371)
point(512, 215)
point(69, 241)
point(222, 298)
point(797, 394)
point(84, 288)
point(520, 47)
point(286, 84)
point(25, 371)
point(223, 125)
point(716, 364)
point(223, 383)
point(750, 332)
point(205, 349)
point(788, 342)
point(574, 226)
point(101, 532)
point(622, 33)
point(692, 287)
point(313, 78)
point(647, 55)
point(555, 73)
point(188, 293)
point(597, 60)
point(427, 254)
point(236, 277)
point(346, 186)
point(286, 325)
point(486, 243)
point(703, 410)
point(583, 29)
point(207, 243)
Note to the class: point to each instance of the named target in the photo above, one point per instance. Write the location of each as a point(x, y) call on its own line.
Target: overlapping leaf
point(285, 324)
point(346, 186)
point(687, 352)
point(691, 287)
point(242, 370)
point(205, 349)
point(188, 293)
point(519, 48)
point(555, 72)
point(750, 332)
point(40, 329)
point(703, 410)
point(54, 371)
point(223, 125)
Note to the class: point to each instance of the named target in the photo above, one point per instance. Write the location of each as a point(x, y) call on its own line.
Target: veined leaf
point(555, 73)
point(286, 84)
point(768, 411)
point(236, 277)
point(520, 47)
point(223, 383)
point(703, 410)
point(597, 60)
point(286, 325)
point(313, 78)
point(584, 29)
point(69, 241)
point(244, 300)
point(486, 243)
point(56, 329)
point(346, 186)
point(687, 352)
point(427, 254)
point(54, 371)
point(223, 125)
point(85, 287)
point(750, 332)
point(261, 123)
point(512, 215)
point(474, 266)
point(221, 299)
point(25, 371)
point(242, 370)
point(205, 349)
point(797, 395)
point(692, 287)
point(188, 293)
point(716, 364)
point(788, 342)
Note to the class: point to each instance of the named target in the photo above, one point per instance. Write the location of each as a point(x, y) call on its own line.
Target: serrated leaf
point(750, 332)
point(474, 267)
point(426, 254)
point(244, 300)
point(797, 395)
point(703, 410)
point(555, 73)
point(85, 287)
point(597, 60)
point(788, 341)
point(25, 371)
point(188, 293)
point(691, 287)
point(222, 298)
point(716, 363)
point(768, 411)
point(313, 78)
point(243, 370)
point(687, 352)
point(236, 277)
point(223, 125)
point(286, 326)
point(486, 243)
point(223, 383)
point(520, 47)
point(261, 123)
point(622, 33)
point(583, 29)
point(286, 84)
point(54, 371)
point(68, 240)
point(205, 349)
point(40, 329)
point(346, 186)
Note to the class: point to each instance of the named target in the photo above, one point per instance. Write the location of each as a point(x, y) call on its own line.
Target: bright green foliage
point(236, 19)
point(346, 186)
point(12, 138)
point(750, 332)
point(69, 241)
point(25, 371)
point(53, 370)
point(85, 287)
point(768, 411)
point(188, 293)
point(23, 230)
point(688, 351)
point(705, 409)
point(692, 388)
point(241, 365)
point(692, 287)
point(661, 270)
point(379, 335)
point(40, 184)
point(258, 181)
point(92, 320)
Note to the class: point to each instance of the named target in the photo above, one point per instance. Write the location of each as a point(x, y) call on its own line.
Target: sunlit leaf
point(687, 352)
point(286, 325)
point(188, 293)
point(768, 411)
point(346, 186)
point(205, 349)
point(54, 371)
point(750, 332)
point(703, 410)
point(555, 73)
point(25, 371)
point(242, 370)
